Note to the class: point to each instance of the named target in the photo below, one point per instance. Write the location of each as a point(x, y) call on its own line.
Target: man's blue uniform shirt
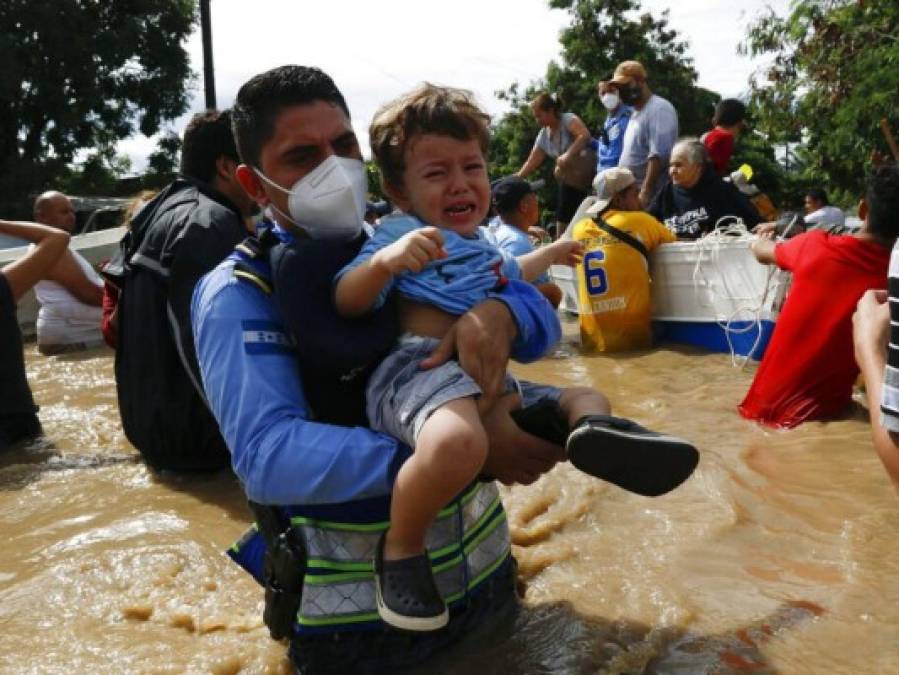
point(609, 147)
point(252, 381)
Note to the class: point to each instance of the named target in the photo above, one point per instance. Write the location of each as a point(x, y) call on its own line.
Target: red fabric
point(809, 367)
point(108, 326)
point(720, 144)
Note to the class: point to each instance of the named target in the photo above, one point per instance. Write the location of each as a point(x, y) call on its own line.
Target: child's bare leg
point(577, 402)
point(449, 452)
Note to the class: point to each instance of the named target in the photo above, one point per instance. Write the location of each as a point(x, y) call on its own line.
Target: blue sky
point(377, 50)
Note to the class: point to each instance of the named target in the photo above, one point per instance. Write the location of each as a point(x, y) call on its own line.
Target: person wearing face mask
point(178, 236)
point(611, 141)
point(651, 131)
point(284, 375)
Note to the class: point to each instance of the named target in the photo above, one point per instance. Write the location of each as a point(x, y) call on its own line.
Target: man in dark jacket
point(177, 238)
point(696, 199)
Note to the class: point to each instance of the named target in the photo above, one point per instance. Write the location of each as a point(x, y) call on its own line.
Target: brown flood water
point(780, 555)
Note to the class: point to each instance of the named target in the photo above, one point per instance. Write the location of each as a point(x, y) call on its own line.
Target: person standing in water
point(876, 338)
point(181, 234)
point(270, 396)
point(518, 213)
point(71, 293)
point(18, 415)
point(808, 369)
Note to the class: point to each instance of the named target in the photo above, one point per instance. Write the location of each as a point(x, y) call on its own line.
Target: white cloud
point(377, 50)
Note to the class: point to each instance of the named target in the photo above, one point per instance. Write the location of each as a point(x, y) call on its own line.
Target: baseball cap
point(627, 71)
point(379, 209)
point(509, 191)
point(608, 184)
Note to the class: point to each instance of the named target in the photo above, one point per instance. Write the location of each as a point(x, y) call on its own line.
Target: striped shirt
point(889, 402)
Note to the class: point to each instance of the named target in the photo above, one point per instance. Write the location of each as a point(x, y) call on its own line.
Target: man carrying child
point(269, 390)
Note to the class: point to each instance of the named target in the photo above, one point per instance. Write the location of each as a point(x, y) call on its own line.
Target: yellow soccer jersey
point(613, 281)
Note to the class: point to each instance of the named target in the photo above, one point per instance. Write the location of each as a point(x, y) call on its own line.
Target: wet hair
point(882, 199)
point(428, 109)
point(262, 98)
point(694, 150)
point(206, 138)
point(729, 112)
point(818, 195)
point(546, 102)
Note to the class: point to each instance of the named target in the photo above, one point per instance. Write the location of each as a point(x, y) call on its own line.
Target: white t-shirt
point(63, 319)
point(651, 132)
point(828, 215)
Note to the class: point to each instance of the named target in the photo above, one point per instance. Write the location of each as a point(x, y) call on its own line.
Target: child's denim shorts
point(400, 395)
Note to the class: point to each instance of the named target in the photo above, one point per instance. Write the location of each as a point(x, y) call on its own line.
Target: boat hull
point(713, 295)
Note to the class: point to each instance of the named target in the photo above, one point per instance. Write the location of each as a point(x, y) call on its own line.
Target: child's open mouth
point(460, 210)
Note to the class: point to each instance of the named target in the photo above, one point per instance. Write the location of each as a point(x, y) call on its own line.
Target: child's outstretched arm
point(357, 291)
point(562, 252)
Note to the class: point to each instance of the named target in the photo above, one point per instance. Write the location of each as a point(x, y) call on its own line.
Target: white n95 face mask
point(610, 100)
point(329, 201)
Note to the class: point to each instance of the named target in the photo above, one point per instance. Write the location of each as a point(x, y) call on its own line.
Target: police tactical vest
point(467, 542)
point(470, 538)
point(336, 355)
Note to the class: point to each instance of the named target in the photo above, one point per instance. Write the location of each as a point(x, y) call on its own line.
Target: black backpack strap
point(628, 239)
point(256, 249)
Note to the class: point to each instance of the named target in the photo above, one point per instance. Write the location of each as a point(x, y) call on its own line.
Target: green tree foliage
point(373, 174)
point(96, 175)
point(833, 75)
point(602, 33)
point(768, 174)
point(162, 164)
point(83, 74)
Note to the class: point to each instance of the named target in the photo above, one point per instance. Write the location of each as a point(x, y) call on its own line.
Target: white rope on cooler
point(730, 229)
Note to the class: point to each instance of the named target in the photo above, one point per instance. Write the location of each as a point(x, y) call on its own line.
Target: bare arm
point(533, 162)
point(357, 291)
point(763, 249)
point(581, 137)
point(562, 252)
point(653, 169)
point(25, 272)
point(67, 272)
point(871, 326)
